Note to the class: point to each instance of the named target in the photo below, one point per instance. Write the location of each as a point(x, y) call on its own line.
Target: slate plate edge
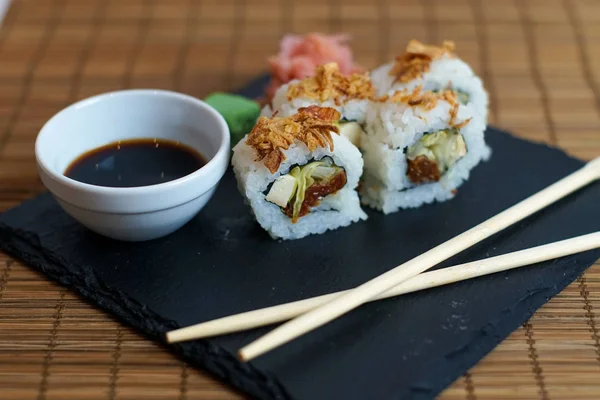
point(200, 353)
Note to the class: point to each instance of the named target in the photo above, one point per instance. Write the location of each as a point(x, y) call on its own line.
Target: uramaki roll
point(419, 147)
point(348, 94)
point(434, 68)
point(298, 174)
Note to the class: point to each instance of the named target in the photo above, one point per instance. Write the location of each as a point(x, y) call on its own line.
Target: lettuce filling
point(291, 188)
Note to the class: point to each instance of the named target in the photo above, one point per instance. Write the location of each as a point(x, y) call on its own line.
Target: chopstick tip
point(172, 337)
point(241, 356)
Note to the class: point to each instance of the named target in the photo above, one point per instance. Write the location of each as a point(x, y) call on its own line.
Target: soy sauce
point(137, 162)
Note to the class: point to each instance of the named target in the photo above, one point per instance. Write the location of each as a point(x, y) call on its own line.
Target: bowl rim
point(206, 169)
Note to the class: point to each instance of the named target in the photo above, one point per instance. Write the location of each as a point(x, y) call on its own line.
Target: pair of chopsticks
point(426, 280)
point(309, 314)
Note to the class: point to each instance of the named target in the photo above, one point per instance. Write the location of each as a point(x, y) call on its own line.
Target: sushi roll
point(298, 174)
point(419, 147)
point(348, 94)
point(435, 68)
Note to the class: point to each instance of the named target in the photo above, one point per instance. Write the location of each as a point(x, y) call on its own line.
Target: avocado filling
point(434, 154)
point(304, 187)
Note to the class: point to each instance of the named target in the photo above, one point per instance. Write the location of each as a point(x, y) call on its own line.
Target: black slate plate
point(406, 348)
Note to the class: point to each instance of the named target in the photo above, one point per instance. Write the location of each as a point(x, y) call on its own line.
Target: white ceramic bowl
point(133, 213)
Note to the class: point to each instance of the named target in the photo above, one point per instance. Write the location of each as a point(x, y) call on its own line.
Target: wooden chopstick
point(361, 294)
point(426, 280)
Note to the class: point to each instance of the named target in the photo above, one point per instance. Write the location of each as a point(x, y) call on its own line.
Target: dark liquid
point(137, 162)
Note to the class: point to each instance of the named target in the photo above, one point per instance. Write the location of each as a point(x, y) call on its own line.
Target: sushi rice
point(351, 110)
point(446, 72)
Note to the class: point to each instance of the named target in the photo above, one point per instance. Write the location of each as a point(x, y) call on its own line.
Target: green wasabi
point(239, 112)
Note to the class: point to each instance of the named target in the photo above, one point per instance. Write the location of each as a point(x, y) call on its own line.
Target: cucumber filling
point(434, 154)
point(304, 186)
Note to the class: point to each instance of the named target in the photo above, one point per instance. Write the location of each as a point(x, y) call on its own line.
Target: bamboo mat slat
point(540, 61)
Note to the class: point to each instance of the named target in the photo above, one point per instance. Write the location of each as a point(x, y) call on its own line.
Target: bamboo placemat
point(541, 64)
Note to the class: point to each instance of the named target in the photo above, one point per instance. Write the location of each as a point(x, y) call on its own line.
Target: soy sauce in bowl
point(136, 162)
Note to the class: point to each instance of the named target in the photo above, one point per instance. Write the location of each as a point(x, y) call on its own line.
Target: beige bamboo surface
point(540, 61)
